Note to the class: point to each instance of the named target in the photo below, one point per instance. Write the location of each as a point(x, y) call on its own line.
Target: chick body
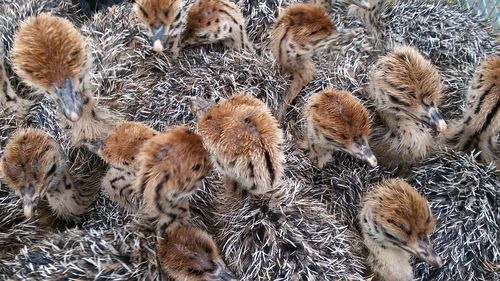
point(337, 121)
point(244, 143)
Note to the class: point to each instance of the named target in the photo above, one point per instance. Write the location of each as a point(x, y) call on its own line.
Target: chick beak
point(362, 151)
point(199, 105)
point(69, 100)
point(435, 119)
point(226, 275)
point(361, 3)
point(158, 38)
point(344, 36)
point(423, 250)
point(29, 203)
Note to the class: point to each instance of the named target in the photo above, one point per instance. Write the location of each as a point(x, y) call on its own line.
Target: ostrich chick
point(299, 32)
point(206, 22)
point(189, 254)
point(480, 126)
point(172, 166)
point(406, 90)
point(396, 222)
point(120, 149)
point(34, 166)
point(336, 120)
point(49, 54)
point(244, 142)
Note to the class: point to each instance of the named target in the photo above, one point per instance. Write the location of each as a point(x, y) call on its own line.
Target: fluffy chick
point(479, 128)
point(49, 54)
point(165, 20)
point(396, 222)
point(299, 32)
point(120, 149)
point(406, 90)
point(336, 120)
point(172, 166)
point(34, 167)
point(190, 254)
point(244, 142)
point(210, 21)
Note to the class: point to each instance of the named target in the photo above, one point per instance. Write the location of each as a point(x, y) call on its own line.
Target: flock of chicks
point(154, 173)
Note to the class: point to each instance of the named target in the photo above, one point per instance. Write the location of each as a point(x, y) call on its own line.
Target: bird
point(244, 142)
point(405, 89)
point(49, 54)
point(211, 21)
point(479, 128)
point(203, 22)
point(120, 150)
point(299, 32)
point(172, 165)
point(396, 222)
point(35, 167)
point(189, 254)
point(336, 120)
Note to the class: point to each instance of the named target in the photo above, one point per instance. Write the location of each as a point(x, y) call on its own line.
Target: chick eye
point(165, 13)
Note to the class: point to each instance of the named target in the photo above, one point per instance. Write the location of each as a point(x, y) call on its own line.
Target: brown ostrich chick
point(190, 254)
point(204, 22)
point(34, 167)
point(244, 142)
point(210, 21)
point(337, 121)
point(396, 222)
point(300, 31)
point(120, 149)
point(406, 90)
point(165, 20)
point(479, 128)
point(49, 54)
point(172, 167)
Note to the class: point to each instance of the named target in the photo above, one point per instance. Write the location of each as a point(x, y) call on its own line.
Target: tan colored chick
point(34, 167)
point(244, 142)
point(49, 54)
point(300, 31)
point(172, 166)
point(396, 222)
point(120, 149)
point(406, 90)
point(337, 121)
point(480, 126)
point(189, 254)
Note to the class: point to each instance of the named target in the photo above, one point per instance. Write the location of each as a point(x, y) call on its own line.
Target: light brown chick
point(479, 128)
point(299, 32)
point(165, 21)
point(244, 142)
point(172, 166)
point(190, 254)
point(34, 167)
point(337, 121)
point(210, 21)
point(49, 54)
point(396, 222)
point(120, 149)
point(406, 90)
